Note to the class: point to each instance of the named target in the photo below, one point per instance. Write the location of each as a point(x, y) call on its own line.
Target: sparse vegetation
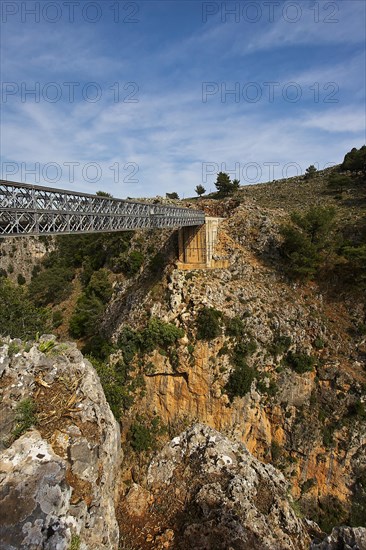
point(304, 244)
point(19, 317)
point(280, 345)
point(21, 279)
point(209, 323)
point(116, 383)
point(276, 451)
point(25, 417)
point(143, 433)
point(241, 378)
point(75, 542)
point(300, 362)
point(91, 305)
point(235, 327)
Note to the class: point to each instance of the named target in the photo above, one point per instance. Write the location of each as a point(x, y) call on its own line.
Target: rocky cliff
point(19, 256)
point(60, 450)
point(272, 363)
point(306, 416)
point(204, 491)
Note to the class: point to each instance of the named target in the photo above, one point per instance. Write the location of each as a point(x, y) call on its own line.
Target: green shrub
point(245, 348)
point(224, 350)
point(14, 348)
point(318, 343)
point(25, 417)
point(280, 345)
point(159, 334)
point(301, 256)
point(140, 437)
point(357, 408)
point(98, 347)
point(86, 315)
point(143, 433)
point(100, 286)
point(157, 262)
point(190, 349)
point(21, 279)
point(235, 327)
point(208, 323)
point(270, 389)
point(300, 362)
point(57, 319)
point(51, 286)
point(45, 347)
point(307, 485)
point(339, 182)
point(355, 160)
point(240, 380)
point(356, 263)
point(310, 172)
point(332, 513)
point(276, 451)
point(75, 542)
point(305, 241)
point(328, 432)
point(115, 382)
point(358, 506)
point(19, 317)
point(129, 341)
point(133, 263)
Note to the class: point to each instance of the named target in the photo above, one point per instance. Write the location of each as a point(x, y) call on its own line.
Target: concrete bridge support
point(197, 246)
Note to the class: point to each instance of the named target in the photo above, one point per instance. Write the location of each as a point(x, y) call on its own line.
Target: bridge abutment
point(197, 246)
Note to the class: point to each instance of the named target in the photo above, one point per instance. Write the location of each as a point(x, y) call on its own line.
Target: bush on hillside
point(241, 378)
point(300, 362)
point(116, 385)
point(305, 241)
point(159, 334)
point(208, 323)
point(234, 327)
point(19, 317)
point(310, 172)
point(355, 160)
point(51, 286)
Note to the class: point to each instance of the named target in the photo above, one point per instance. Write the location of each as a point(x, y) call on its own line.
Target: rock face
point(206, 492)
point(58, 480)
point(313, 417)
point(18, 257)
point(345, 538)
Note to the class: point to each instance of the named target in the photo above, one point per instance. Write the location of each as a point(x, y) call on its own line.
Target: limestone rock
point(59, 479)
point(346, 538)
point(217, 495)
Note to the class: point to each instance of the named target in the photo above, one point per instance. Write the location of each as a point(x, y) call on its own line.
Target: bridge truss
point(34, 210)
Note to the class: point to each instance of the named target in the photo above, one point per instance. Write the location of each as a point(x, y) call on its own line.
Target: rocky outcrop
point(314, 419)
point(60, 451)
point(19, 256)
point(345, 538)
point(205, 491)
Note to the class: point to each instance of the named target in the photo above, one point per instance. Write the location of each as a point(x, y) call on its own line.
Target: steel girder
point(34, 210)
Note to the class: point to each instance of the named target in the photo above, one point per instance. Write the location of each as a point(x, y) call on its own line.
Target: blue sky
point(143, 98)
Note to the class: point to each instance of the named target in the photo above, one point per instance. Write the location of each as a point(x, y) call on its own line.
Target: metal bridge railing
point(34, 210)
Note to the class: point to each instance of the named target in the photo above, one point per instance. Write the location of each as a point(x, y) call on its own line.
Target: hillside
point(270, 352)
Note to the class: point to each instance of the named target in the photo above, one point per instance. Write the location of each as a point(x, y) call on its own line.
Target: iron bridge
point(34, 210)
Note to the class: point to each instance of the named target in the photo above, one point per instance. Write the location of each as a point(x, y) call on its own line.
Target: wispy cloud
point(164, 141)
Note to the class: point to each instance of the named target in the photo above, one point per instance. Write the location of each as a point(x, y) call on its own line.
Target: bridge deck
point(34, 210)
